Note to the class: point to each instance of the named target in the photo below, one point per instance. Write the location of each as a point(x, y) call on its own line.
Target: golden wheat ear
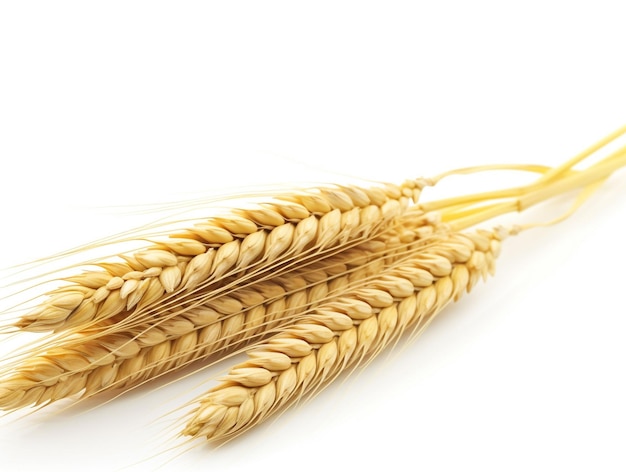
point(198, 258)
point(342, 333)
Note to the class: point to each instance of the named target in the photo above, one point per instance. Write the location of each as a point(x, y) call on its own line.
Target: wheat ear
point(340, 334)
point(296, 224)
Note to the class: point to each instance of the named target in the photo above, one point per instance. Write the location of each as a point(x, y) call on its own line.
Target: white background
point(109, 104)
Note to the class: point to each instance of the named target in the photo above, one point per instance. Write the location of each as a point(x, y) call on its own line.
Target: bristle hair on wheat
point(310, 286)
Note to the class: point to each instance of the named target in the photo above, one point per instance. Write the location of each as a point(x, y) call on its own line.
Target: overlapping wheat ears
point(310, 284)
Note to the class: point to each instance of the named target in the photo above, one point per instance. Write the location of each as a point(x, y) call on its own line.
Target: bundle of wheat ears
point(309, 285)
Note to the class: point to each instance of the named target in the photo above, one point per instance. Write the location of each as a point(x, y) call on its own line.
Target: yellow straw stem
point(593, 174)
point(534, 168)
point(582, 197)
point(542, 191)
point(555, 172)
